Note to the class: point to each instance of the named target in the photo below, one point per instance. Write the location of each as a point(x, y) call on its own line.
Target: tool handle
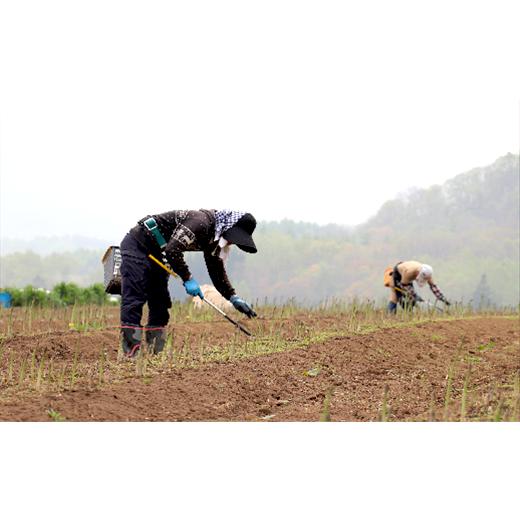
point(163, 266)
point(243, 329)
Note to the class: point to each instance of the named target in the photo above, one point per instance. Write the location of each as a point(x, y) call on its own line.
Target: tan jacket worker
point(399, 279)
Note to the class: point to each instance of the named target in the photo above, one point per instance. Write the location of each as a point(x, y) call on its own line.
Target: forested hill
point(473, 217)
point(465, 228)
point(483, 196)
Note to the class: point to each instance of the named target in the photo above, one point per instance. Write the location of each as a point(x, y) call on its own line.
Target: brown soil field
point(298, 367)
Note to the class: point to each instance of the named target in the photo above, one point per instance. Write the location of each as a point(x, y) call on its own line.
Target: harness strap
point(151, 225)
point(397, 275)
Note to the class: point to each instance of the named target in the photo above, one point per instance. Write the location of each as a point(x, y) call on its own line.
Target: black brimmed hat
point(240, 233)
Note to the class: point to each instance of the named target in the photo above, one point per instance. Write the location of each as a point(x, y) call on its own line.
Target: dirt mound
point(64, 345)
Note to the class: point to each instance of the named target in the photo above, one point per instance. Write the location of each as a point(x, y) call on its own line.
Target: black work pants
point(142, 280)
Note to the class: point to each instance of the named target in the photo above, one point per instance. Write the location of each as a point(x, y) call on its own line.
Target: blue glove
point(193, 289)
point(242, 306)
point(392, 307)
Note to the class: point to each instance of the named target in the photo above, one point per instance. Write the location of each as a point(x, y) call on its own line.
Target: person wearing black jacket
point(167, 236)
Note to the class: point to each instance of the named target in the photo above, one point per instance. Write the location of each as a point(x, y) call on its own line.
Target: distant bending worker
point(399, 279)
point(167, 236)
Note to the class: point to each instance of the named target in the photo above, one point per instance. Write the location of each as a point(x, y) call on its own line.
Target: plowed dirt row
point(397, 374)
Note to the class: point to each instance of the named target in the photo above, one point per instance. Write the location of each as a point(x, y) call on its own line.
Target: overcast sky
point(317, 111)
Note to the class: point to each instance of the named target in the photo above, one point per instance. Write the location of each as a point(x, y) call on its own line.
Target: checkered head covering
point(226, 219)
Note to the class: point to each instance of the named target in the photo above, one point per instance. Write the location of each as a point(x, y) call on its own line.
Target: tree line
point(60, 295)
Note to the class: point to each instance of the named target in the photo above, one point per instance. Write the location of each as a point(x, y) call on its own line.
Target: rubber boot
point(131, 340)
point(392, 307)
point(156, 339)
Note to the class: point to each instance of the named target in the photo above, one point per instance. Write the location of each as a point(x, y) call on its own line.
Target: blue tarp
point(5, 300)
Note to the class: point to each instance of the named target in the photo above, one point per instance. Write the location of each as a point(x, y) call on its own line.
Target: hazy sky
point(317, 111)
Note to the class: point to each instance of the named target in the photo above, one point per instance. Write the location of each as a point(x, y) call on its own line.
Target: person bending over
point(400, 278)
point(167, 236)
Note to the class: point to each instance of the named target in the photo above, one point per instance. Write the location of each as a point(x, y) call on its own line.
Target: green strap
point(151, 225)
